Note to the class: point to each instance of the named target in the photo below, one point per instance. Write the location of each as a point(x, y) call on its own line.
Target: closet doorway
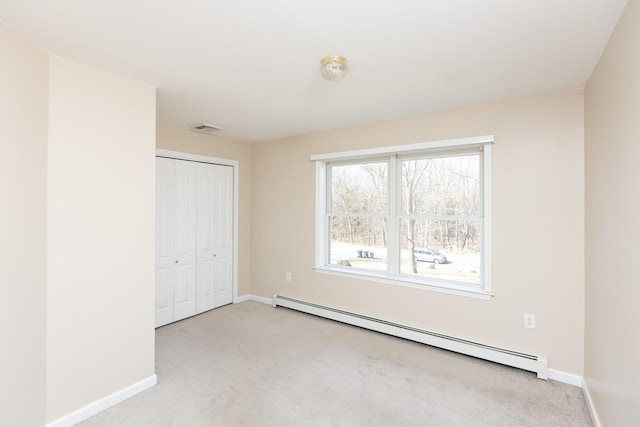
point(196, 234)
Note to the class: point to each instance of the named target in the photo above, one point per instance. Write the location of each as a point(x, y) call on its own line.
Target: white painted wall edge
point(554, 374)
point(104, 403)
point(592, 408)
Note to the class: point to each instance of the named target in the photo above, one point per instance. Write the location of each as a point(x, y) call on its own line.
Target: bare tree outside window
point(432, 208)
point(359, 208)
point(441, 208)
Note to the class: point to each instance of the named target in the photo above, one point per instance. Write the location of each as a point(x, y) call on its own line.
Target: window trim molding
point(406, 281)
point(404, 149)
point(484, 291)
point(322, 229)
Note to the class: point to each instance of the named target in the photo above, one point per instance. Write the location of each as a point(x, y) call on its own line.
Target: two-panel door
point(215, 232)
point(194, 238)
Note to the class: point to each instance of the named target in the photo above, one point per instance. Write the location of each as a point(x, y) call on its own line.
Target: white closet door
point(215, 238)
point(186, 245)
point(224, 235)
point(194, 238)
point(165, 232)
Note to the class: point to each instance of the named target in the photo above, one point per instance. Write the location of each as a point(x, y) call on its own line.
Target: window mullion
point(393, 223)
point(485, 189)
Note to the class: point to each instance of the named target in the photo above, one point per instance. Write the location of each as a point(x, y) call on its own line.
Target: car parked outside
point(430, 255)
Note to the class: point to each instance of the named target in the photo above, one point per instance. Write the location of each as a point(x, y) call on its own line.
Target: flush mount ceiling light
point(333, 67)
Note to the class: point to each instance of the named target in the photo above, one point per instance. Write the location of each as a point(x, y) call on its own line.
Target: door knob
point(176, 261)
point(214, 255)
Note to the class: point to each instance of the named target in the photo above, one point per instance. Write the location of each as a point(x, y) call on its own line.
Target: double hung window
point(414, 215)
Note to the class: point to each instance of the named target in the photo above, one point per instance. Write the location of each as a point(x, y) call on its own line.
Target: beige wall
point(100, 158)
point(186, 141)
point(23, 169)
point(612, 113)
point(101, 204)
point(538, 228)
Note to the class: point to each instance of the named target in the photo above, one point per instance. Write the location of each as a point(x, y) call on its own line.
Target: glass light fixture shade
point(333, 67)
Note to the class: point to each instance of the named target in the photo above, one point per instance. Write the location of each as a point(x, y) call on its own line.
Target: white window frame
point(394, 277)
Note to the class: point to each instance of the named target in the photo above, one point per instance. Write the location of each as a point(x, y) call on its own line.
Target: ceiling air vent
point(205, 128)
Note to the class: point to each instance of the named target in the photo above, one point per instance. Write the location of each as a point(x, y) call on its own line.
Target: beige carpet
point(252, 365)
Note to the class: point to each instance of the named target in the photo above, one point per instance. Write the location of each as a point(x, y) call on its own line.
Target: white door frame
point(236, 179)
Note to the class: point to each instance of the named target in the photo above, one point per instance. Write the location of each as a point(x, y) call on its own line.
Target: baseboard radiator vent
point(527, 362)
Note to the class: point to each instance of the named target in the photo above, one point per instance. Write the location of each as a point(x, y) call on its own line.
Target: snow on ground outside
point(461, 267)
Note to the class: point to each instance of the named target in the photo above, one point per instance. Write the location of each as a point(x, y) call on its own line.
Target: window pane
point(442, 249)
point(358, 242)
point(441, 185)
point(359, 188)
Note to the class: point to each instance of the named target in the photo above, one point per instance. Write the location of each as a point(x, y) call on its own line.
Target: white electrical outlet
point(287, 276)
point(529, 321)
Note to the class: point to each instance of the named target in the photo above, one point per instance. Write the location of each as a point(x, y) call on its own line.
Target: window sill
point(432, 285)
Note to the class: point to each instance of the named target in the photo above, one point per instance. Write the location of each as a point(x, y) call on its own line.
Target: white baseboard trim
point(104, 403)
point(243, 298)
point(565, 377)
point(592, 408)
point(554, 374)
point(256, 298)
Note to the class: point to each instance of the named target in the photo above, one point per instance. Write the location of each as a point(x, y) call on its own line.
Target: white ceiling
point(251, 66)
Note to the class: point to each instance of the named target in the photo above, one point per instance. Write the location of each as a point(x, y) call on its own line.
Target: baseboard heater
point(527, 362)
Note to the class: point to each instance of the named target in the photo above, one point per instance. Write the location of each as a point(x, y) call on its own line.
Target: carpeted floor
point(252, 365)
